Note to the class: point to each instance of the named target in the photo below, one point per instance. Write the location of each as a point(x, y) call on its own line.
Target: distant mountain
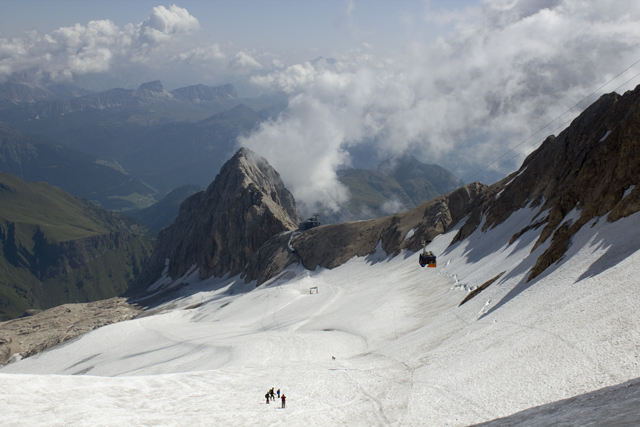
point(419, 180)
point(57, 248)
point(165, 211)
point(190, 152)
point(201, 93)
point(397, 185)
point(166, 139)
point(74, 171)
point(28, 87)
point(39, 102)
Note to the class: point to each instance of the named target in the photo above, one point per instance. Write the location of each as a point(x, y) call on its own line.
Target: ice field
point(405, 353)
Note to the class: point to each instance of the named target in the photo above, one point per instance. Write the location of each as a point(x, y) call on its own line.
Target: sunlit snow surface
point(405, 353)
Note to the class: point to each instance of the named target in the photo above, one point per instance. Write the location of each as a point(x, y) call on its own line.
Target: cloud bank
point(499, 74)
point(100, 46)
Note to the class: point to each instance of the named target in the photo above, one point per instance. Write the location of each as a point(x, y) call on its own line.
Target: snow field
point(406, 354)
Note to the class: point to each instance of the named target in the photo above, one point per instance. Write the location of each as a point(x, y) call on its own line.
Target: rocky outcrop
point(32, 334)
point(332, 245)
point(219, 229)
point(593, 166)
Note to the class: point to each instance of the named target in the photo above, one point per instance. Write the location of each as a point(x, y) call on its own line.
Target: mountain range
point(589, 169)
point(165, 139)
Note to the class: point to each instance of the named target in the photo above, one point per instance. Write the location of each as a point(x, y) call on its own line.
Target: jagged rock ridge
point(593, 166)
point(219, 229)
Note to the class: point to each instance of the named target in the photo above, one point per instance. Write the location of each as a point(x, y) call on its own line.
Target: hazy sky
point(299, 27)
point(210, 34)
point(459, 83)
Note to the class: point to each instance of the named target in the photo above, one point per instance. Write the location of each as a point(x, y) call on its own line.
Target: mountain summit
point(217, 230)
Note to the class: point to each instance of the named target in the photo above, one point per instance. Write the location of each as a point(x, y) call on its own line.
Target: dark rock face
point(220, 228)
point(587, 167)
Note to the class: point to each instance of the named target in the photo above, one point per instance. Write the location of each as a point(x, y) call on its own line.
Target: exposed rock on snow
point(30, 335)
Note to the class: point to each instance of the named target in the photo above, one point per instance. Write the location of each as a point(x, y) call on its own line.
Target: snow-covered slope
point(405, 353)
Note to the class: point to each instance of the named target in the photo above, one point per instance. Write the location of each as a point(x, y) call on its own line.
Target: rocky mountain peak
point(217, 230)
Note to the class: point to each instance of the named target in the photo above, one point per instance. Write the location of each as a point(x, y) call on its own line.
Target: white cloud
point(290, 80)
point(98, 46)
point(306, 144)
point(392, 206)
point(242, 61)
point(164, 23)
point(465, 100)
point(201, 55)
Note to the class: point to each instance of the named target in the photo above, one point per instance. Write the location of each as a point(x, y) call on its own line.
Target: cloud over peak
point(480, 90)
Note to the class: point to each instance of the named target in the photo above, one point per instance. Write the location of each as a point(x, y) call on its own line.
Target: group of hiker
point(272, 395)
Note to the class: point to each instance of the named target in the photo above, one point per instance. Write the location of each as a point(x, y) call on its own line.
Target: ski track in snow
point(405, 353)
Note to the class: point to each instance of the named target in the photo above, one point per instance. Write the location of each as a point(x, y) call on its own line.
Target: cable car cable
point(542, 128)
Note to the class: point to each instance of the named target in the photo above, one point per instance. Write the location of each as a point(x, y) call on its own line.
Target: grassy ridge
point(60, 215)
point(56, 248)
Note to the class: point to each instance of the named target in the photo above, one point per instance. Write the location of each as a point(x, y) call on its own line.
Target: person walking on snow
point(272, 394)
point(267, 396)
point(278, 393)
point(283, 399)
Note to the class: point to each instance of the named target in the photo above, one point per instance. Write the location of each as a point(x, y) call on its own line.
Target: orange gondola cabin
point(427, 259)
